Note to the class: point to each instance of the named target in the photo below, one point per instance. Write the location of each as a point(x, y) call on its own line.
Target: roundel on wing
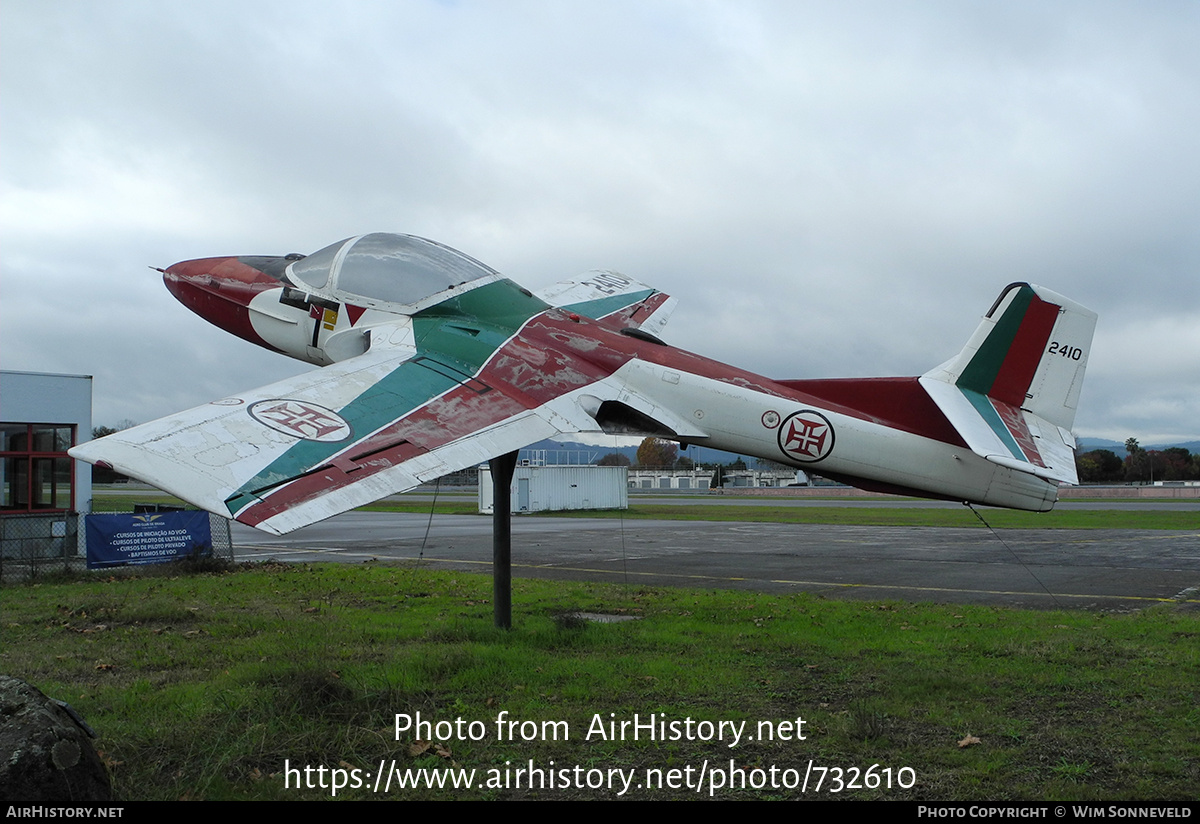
point(301, 419)
point(806, 436)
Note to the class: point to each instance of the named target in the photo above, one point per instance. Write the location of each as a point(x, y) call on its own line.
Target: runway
point(1109, 570)
point(637, 497)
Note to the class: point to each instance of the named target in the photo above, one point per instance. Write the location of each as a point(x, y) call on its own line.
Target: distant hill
point(1088, 444)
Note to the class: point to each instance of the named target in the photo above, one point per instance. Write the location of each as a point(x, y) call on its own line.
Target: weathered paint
point(220, 290)
point(487, 367)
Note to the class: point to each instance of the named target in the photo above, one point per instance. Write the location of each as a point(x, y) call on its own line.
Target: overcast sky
point(831, 189)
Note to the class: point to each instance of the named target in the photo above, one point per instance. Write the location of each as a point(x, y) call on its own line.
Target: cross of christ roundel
point(806, 436)
point(301, 419)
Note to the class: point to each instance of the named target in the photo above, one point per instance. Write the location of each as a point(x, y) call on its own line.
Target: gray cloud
point(830, 188)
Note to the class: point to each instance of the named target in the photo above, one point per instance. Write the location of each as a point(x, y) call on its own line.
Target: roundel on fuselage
point(806, 436)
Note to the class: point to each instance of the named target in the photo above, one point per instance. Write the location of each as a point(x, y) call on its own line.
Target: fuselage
point(881, 434)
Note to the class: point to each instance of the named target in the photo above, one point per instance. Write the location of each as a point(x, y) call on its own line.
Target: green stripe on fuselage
point(461, 333)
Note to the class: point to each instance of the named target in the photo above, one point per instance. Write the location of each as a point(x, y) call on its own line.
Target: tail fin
point(1013, 389)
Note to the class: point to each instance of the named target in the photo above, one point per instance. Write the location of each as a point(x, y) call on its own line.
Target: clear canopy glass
point(401, 269)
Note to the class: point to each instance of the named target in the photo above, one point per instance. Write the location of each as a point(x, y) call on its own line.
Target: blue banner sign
point(149, 538)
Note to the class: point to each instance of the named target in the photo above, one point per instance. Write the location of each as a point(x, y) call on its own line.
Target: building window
point(35, 470)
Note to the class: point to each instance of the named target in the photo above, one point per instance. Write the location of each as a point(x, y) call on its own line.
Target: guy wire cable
point(428, 524)
point(1032, 574)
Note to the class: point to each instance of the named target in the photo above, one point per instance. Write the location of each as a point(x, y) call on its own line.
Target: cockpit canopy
point(387, 268)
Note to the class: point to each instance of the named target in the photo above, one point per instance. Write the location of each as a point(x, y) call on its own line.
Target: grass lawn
point(205, 686)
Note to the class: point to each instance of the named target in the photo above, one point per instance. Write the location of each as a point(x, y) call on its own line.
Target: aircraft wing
point(309, 447)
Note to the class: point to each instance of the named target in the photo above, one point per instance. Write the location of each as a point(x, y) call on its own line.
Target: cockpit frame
point(399, 273)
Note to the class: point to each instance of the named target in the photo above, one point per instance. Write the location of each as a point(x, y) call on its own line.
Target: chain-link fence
point(33, 547)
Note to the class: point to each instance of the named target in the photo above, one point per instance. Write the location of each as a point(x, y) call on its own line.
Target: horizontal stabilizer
point(614, 298)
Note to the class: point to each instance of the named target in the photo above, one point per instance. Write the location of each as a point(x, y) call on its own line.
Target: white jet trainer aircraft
point(433, 362)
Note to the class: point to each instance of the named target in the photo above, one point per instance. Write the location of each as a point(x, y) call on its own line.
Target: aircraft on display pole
point(433, 362)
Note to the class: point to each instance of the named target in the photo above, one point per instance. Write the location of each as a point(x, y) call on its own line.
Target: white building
point(559, 488)
point(42, 415)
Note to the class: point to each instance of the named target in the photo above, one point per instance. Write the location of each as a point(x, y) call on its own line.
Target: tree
point(1176, 463)
point(657, 453)
point(1087, 469)
point(614, 459)
point(1135, 461)
point(102, 431)
point(1099, 466)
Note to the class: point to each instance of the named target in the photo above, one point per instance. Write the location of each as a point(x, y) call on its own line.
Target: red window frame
point(34, 467)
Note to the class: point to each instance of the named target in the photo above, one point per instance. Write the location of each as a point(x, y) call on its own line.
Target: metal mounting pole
point(502, 475)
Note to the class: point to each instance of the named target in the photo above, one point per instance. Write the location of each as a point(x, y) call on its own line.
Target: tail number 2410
point(1072, 352)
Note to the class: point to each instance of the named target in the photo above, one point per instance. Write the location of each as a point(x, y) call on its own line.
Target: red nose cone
point(220, 290)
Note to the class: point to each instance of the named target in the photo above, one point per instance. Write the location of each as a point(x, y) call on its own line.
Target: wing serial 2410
point(433, 362)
